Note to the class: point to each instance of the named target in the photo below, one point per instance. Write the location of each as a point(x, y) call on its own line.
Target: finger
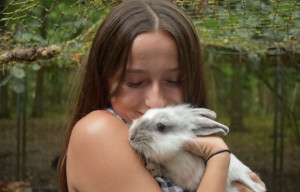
point(240, 187)
point(256, 179)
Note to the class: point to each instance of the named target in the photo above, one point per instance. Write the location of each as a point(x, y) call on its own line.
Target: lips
point(136, 115)
point(140, 113)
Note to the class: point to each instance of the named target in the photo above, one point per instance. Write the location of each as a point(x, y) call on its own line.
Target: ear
point(204, 112)
point(206, 126)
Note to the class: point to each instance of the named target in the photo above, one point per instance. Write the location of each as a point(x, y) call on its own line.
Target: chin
point(136, 115)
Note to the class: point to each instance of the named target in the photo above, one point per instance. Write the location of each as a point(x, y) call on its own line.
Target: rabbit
point(159, 135)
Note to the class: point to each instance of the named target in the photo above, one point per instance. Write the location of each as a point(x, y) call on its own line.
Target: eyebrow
point(173, 69)
point(133, 70)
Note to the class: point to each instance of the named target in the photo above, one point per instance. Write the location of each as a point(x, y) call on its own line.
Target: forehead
point(156, 41)
point(153, 47)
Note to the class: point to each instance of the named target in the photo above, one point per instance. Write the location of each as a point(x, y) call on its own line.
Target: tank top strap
point(112, 111)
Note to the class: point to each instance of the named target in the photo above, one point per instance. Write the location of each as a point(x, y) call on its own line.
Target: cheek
point(115, 100)
point(176, 96)
point(127, 103)
point(126, 97)
point(179, 98)
point(119, 100)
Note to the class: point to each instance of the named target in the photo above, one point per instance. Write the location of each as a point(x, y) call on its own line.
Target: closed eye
point(133, 84)
point(177, 82)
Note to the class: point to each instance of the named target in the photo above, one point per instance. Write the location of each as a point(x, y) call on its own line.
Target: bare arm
point(100, 158)
point(215, 176)
point(217, 166)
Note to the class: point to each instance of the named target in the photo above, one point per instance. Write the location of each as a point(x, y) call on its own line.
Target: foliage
point(44, 23)
point(251, 26)
point(68, 24)
point(245, 29)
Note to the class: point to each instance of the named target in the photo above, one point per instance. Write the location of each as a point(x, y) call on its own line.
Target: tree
point(236, 92)
point(4, 110)
point(38, 105)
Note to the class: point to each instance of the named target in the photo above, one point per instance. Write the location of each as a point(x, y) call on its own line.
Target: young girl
point(146, 54)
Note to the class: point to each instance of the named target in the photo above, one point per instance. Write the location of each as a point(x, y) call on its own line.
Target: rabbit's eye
point(161, 127)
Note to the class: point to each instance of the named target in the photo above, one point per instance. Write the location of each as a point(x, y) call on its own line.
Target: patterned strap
point(115, 114)
point(167, 186)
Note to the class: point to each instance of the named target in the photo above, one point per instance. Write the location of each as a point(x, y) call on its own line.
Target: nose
point(155, 97)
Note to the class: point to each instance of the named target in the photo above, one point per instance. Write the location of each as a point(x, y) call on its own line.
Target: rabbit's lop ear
point(206, 126)
point(204, 112)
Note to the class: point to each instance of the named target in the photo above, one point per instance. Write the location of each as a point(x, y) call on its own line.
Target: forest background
point(252, 58)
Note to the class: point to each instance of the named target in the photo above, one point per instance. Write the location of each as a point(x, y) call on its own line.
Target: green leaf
point(5, 80)
point(17, 85)
point(17, 72)
point(30, 37)
point(35, 67)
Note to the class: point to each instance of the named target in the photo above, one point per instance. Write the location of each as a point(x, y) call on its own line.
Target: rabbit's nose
point(131, 138)
point(135, 138)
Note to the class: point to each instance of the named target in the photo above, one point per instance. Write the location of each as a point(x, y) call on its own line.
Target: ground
point(44, 137)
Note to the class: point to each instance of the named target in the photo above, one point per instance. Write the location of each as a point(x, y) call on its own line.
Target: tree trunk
point(39, 95)
point(56, 93)
point(39, 89)
point(4, 109)
point(264, 98)
point(236, 122)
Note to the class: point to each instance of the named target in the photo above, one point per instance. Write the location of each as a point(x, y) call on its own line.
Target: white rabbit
point(160, 134)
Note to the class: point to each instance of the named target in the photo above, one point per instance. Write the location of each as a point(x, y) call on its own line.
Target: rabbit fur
point(159, 135)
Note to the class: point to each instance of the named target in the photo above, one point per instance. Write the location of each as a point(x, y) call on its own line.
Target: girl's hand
point(205, 146)
point(217, 167)
point(242, 188)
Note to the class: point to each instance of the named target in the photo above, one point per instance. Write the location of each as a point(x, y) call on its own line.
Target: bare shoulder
point(100, 157)
point(99, 123)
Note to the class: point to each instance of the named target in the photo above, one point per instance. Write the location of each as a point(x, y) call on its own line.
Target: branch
point(30, 54)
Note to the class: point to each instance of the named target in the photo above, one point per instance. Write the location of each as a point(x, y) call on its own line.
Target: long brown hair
point(111, 47)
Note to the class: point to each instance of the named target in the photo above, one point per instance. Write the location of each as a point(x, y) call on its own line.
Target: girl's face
point(152, 78)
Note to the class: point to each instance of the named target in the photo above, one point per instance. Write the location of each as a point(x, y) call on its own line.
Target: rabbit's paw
point(155, 169)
